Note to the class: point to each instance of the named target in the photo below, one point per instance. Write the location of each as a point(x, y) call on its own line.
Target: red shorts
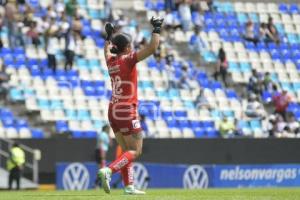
point(124, 119)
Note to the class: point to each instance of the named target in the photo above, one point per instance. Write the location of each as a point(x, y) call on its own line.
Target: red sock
point(127, 174)
point(121, 162)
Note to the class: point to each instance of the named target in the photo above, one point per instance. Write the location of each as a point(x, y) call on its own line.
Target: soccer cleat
point(105, 175)
point(131, 190)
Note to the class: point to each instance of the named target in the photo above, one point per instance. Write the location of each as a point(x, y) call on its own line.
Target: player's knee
point(138, 153)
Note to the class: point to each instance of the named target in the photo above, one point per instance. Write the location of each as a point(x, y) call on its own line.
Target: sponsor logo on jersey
point(136, 124)
point(114, 69)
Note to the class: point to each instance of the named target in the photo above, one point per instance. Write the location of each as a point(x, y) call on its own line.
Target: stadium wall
point(171, 151)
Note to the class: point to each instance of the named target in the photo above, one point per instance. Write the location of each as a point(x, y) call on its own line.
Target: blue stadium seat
point(267, 96)
point(83, 115)
point(167, 114)
point(183, 124)
point(212, 133)
point(71, 114)
point(89, 134)
point(61, 126)
point(21, 123)
point(43, 103)
point(16, 94)
point(199, 133)
point(37, 134)
point(294, 9)
point(8, 123)
point(283, 8)
point(171, 123)
point(180, 114)
point(77, 134)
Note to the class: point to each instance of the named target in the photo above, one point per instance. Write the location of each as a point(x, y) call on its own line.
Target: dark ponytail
point(114, 50)
point(120, 42)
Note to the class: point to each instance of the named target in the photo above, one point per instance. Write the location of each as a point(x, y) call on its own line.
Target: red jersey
point(281, 102)
point(123, 74)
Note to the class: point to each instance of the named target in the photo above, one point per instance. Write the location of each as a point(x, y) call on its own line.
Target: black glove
point(156, 23)
point(110, 29)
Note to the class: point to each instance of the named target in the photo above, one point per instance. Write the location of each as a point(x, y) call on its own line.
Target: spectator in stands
point(19, 38)
point(77, 25)
point(144, 124)
point(169, 5)
point(173, 80)
point(4, 85)
point(51, 13)
point(139, 38)
point(1, 24)
point(293, 125)
point(33, 35)
point(64, 27)
point(70, 49)
point(107, 9)
point(227, 128)
point(270, 125)
point(201, 100)
point(15, 165)
point(249, 33)
point(186, 15)
point(222, 66)
point(10, 20)
point(273, 31)
point(171, 23)
point(43, 24)
point(255, 83)
point(264, 33)
point(281, 102)
point(71, 6)
point(184, 81)
point(281, 127)
point(51, 48)
point(122, 21)
point(254, 108)
point(268, 83)
point(196, 43)
point(210, 4)
point(28, 19)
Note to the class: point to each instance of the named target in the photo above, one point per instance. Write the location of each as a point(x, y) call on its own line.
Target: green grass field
point(210, 194)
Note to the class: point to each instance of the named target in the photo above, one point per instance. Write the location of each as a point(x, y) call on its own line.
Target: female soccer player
point(121, 62)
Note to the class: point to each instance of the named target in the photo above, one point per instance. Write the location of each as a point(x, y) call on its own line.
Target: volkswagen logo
point(76, 177)
point(195, 177)
point(141, 176)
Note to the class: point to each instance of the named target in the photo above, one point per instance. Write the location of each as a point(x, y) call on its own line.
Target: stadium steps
point(33, 118)
point(25, 183)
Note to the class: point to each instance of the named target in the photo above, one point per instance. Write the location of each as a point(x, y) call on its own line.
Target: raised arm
point(109, 28)
point(153, 45)
point(107, 53)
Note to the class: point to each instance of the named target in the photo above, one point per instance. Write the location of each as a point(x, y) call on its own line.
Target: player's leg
point(106, 172)
point(10, 179)
point(134, 144)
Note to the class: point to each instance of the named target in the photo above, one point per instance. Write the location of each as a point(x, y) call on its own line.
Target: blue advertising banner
point(256, 175)
point(81, 176)
point(75, 176)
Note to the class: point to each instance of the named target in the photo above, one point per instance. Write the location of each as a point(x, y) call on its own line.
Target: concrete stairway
point(25, 183)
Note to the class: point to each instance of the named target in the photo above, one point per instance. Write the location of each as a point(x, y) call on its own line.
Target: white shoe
point(131, 190)
point(105, 176)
